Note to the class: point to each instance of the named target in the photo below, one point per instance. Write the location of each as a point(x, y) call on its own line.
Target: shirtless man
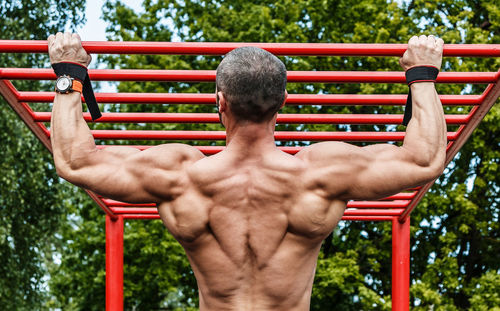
point(251, 218)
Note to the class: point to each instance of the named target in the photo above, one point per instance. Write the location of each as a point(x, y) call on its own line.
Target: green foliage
point(458, 243)
point(157, 273)
point(30, 212)
point(455, 229)
point(78, 276)
point(339, 285)
point(30, 192)
point(484, 293)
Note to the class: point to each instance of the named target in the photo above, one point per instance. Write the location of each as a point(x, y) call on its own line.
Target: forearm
point(426, 133)
point(72, 141)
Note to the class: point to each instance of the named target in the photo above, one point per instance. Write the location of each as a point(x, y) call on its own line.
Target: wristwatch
point(66, 84)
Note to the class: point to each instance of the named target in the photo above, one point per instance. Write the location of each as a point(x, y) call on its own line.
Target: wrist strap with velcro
point(79, 72)
point(414, 75)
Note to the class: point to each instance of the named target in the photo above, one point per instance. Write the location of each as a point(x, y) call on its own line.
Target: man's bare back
point(251, 218)
point(253, 245)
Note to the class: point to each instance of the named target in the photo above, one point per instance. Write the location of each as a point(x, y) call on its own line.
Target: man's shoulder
point(180, 149)
point(325, 150)
point(172, 154)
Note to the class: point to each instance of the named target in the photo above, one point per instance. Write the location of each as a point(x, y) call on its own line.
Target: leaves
point(455, 229)
point(455, 235)
point(30, 192)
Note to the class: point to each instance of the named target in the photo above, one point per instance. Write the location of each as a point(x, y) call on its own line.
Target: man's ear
point(222, 102)
point(284, 101)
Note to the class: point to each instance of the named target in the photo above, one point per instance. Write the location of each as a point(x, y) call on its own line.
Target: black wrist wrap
point(80, 72)
point(417, 74)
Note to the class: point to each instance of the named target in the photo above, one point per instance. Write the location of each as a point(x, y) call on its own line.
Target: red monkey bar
point(396, 208)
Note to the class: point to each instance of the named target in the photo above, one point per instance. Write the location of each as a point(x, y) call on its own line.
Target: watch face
point(63, 83)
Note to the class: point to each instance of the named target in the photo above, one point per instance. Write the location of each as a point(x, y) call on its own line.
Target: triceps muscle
point(388, 170)
point(127, 174)
point(116, 175)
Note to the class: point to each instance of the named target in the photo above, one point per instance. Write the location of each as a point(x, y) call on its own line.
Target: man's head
point(253, 83)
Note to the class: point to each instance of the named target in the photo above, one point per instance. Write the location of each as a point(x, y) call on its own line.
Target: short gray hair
point(253, 81)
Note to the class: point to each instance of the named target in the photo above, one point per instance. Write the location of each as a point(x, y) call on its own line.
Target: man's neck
point(250, 138)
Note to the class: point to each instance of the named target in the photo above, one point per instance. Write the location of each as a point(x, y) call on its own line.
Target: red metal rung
point(293, 99)
point(144, 117)
point(221, 48)
point(209, 76)
point(281, 136)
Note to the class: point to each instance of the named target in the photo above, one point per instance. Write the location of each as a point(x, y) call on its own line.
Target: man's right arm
point(120, 173)
point(349, 172)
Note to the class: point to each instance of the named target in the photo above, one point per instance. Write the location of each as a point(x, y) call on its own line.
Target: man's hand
point(67, 47)
point(423, 51)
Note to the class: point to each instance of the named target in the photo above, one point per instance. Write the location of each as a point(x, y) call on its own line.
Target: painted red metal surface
point(345, 218)
point(279, 136)
point(293, 99)
point(144, 117)
point(348, 212)
point(396, 208)
point(114, 263)
point(209, 76)
point(396, 202)
point(401, 265)
point(221, 48)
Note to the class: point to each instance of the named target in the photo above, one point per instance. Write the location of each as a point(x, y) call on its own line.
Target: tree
point(455, 249)
point(454, 230)
point(30, 210)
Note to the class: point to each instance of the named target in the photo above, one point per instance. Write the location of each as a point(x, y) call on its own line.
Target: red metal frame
point(209, 76)
point(221, 48)
point(114, 263)
point(396, 208)
point(400, 264)
point(293, 99)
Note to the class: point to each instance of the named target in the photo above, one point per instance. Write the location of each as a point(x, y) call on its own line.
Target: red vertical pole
point(400, 265)
point(114, 263)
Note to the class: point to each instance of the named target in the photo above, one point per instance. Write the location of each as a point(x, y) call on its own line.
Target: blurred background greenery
point(52, 234)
